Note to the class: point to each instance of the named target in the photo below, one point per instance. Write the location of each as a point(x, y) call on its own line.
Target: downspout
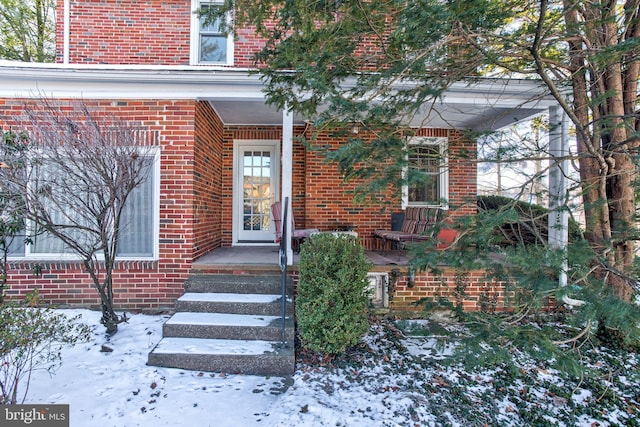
point(66, 31)
point(558, 221)
point(287, 175)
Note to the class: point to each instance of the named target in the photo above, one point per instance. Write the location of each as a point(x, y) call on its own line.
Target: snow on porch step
point(256, 304)
point(221, 319)
point(254, 357)
point(177, 345)
point(228, 326)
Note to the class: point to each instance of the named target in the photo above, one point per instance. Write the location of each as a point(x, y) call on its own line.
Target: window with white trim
point(139, 219)
point(209, 44)
point(139, 225)
point(428, 172)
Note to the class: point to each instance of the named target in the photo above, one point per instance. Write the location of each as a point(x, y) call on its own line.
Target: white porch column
point(558, 182)
point(287, 174)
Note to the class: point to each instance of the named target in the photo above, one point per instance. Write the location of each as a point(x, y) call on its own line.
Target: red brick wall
point(208, 179)
point(153, 32)
point(145, 284)
point(246, 45)
point(470, 289)
point(463, 175)
point(126, 31)
point(328, 204)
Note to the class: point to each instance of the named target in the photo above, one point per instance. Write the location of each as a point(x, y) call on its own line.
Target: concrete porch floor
point(268, 255)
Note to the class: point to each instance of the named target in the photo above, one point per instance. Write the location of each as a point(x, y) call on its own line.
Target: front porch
point(261, 257)
point(399, 290)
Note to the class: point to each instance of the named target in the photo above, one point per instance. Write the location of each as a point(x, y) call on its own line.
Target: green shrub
point(332, 300)
point(32, 337)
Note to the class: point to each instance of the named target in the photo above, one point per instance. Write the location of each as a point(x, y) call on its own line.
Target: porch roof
point(236, 95)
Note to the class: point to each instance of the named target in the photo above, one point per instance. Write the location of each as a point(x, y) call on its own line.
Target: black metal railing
point(283, 265)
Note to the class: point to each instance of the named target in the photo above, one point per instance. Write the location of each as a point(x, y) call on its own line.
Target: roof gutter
point(189, 74)
point(27, 80)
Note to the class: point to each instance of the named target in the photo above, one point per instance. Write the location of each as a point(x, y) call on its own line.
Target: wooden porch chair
point(297, 236)
point(418, 224)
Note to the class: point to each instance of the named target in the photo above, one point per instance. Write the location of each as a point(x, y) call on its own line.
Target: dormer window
point(209, 44)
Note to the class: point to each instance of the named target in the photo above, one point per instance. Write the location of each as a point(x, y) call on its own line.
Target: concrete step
point(254, 357)
point(228, 326)
point(243, 283)
point(230, 323)
point(233, 303)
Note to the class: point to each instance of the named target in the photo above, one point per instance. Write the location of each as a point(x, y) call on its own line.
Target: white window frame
point(153, 152)
point(238, 146)
point(194, 53)
point(442, 143)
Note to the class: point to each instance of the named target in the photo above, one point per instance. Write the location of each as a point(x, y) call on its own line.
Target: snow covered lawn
point(391, 380)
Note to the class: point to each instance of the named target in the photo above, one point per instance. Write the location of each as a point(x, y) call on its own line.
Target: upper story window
point(209, 44)
point(428, 169)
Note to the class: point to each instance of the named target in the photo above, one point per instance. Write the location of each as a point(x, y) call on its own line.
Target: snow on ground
point(393, 380)
point(118, 389)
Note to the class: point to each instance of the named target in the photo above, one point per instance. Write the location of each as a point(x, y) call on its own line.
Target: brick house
point(152, 62)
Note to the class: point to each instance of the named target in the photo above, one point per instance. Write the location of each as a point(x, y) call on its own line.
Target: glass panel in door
point(256, 194)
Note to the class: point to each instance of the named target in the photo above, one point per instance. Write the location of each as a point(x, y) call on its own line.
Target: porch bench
point(418, 225)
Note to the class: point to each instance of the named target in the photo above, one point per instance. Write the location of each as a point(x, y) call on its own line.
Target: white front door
point(256, 175)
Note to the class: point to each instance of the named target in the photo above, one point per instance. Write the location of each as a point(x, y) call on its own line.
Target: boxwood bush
point(332, 300)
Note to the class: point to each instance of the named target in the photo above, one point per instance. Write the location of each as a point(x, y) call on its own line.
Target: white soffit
point(236, 95)
point(249, 112)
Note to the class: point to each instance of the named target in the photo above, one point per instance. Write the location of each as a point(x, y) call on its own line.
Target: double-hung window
point(209, 44)
point(427, 173)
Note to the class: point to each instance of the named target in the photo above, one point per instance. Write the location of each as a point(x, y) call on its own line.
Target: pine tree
point(314, 63)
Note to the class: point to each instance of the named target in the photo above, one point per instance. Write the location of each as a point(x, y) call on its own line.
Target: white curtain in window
point(45, 243)
point(136, 224)
point(16, 247)
point(136, 234)
point(58, 208)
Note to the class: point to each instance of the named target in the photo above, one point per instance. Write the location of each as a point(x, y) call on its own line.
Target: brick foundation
point(469, 289)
